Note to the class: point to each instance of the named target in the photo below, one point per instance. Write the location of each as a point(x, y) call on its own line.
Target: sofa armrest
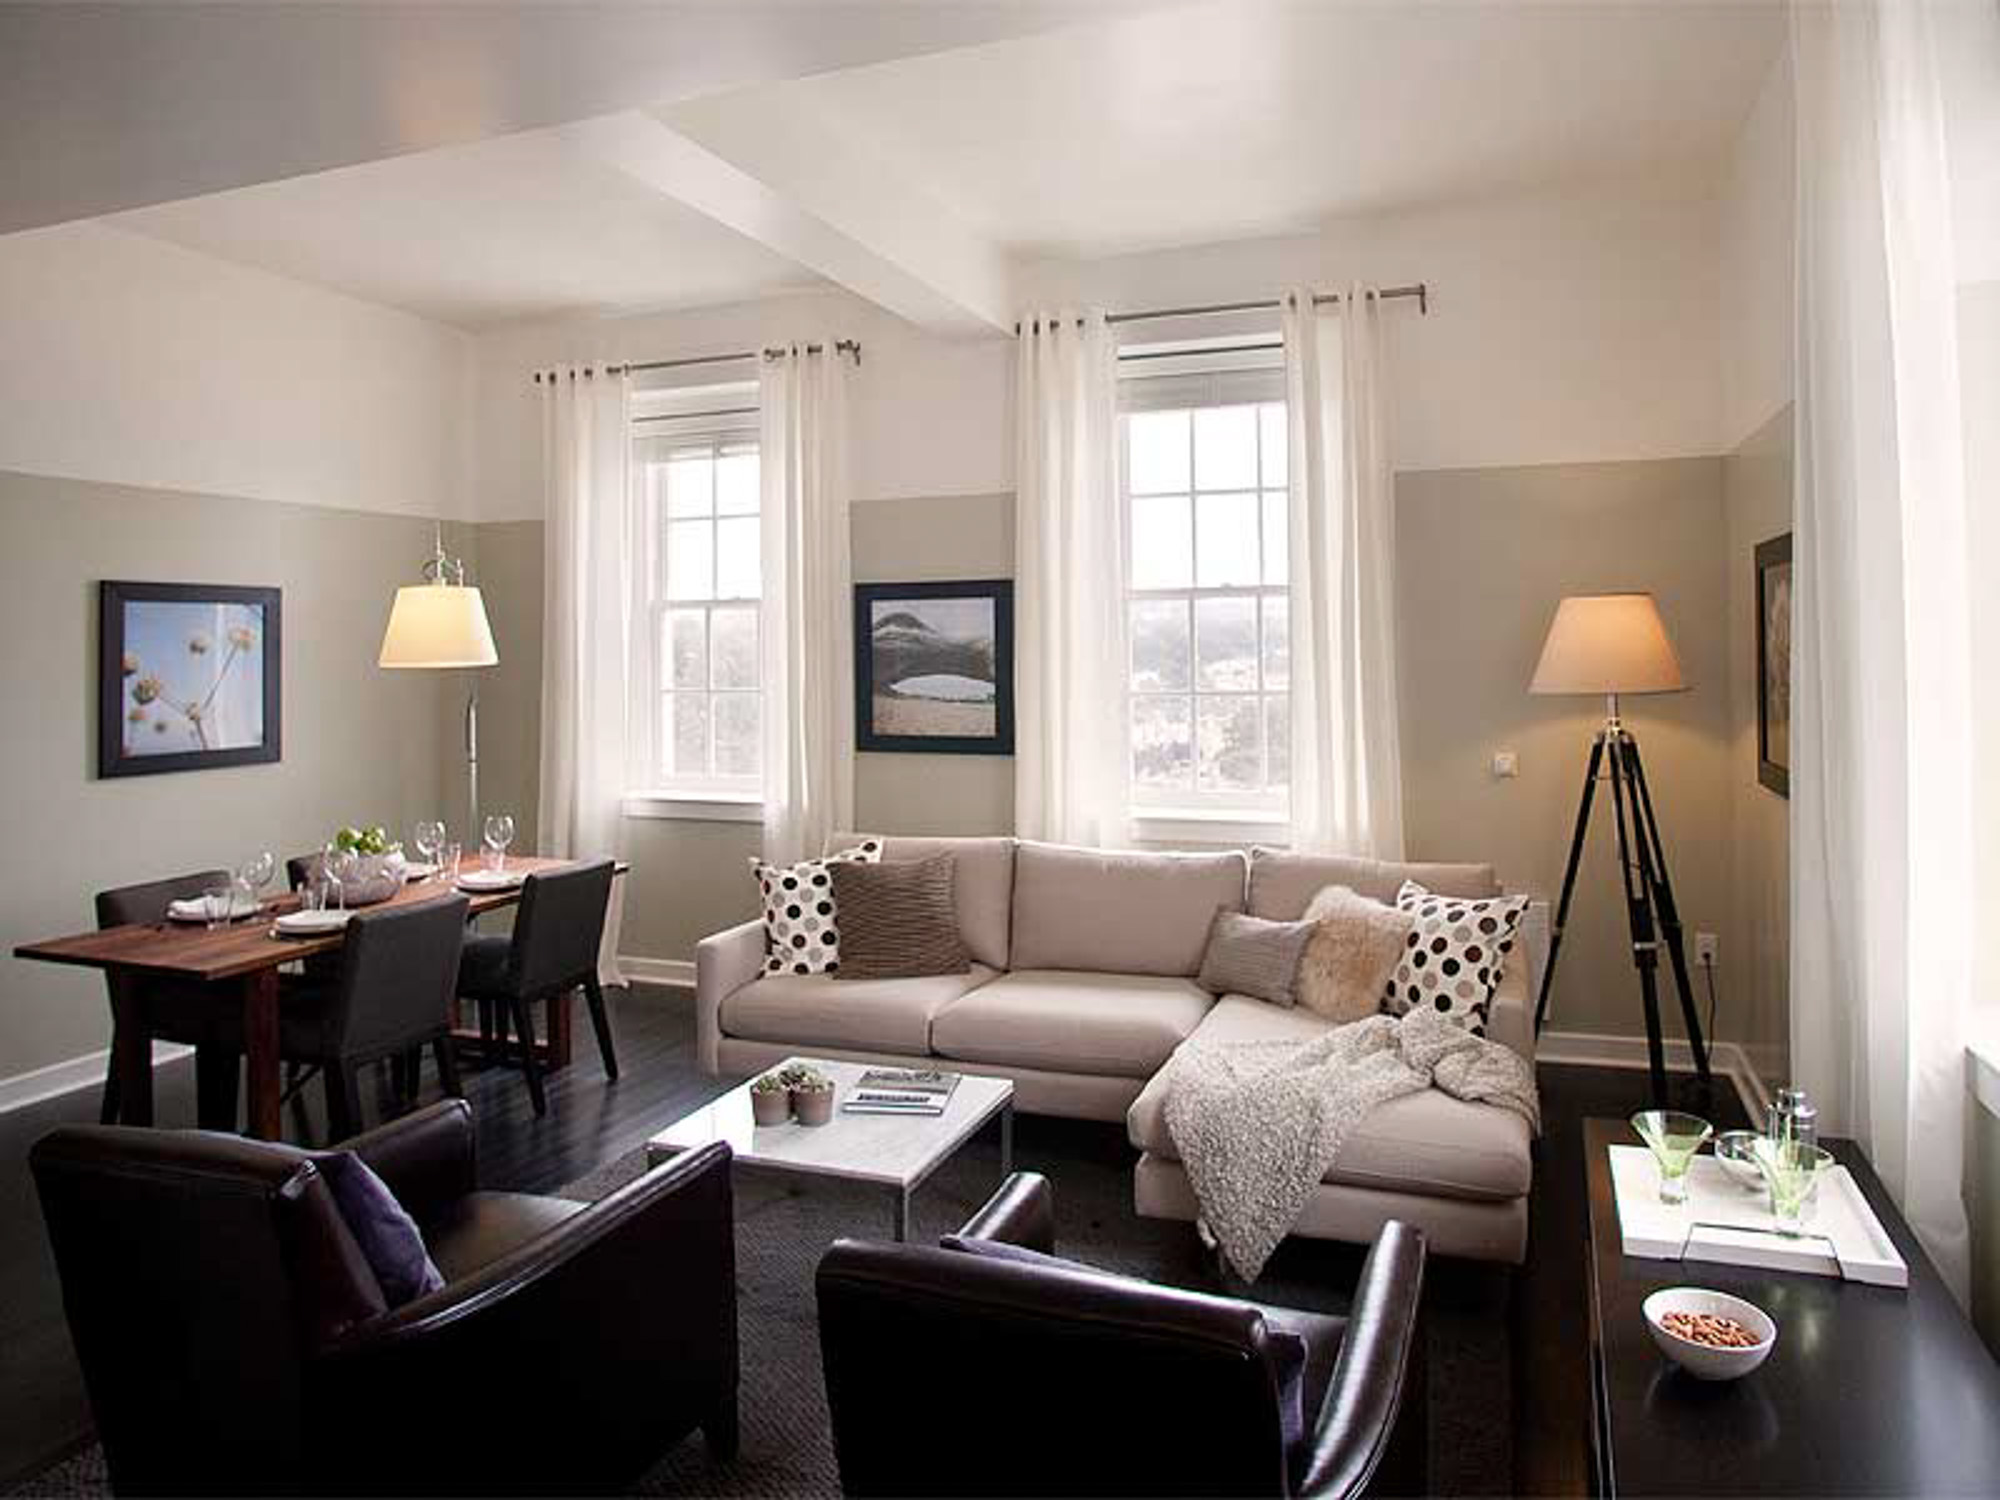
point(427, 1158)
point(1511, 1021)
point(723, 963)
point(1022, 1212)
point(1369, 1436)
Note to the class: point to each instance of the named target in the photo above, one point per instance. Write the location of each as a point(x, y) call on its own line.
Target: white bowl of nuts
point(1711, 1335)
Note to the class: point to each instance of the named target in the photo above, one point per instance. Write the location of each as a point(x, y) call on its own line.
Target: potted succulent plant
point(771, 1099)
point(812, 1095)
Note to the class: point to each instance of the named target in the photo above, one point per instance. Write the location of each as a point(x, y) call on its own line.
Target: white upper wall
point(1758, 301)
point(132, 361)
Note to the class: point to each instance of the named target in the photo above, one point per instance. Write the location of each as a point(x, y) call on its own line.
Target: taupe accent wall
point(360, 744)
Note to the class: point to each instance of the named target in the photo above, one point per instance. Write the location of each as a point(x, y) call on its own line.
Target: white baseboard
point(1601, 1050)
point(72, 1074)
point(675, 971)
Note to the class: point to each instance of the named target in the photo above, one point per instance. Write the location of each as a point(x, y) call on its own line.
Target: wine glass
point(499, 834)
point(256, 873)
point(335, 865)
point(429, 840)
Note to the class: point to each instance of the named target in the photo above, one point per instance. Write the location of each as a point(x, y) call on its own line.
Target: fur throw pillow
point(1353, 952)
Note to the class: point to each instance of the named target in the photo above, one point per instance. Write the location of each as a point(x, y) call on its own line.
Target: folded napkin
point(195, 908)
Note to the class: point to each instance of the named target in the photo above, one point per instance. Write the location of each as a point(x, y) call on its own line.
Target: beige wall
point(360, 744)
point(1483, 556)
point(1756, 933)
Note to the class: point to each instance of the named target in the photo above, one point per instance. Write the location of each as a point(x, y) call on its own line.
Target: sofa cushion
point(819, 1010)
point(897, 920)
point(982, 884)
point(1427, 1143)
point(1067, 1021)
point(1116, 912)
point(1282, 885)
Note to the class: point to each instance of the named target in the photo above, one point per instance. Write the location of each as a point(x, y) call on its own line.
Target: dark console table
point(1870, 1390)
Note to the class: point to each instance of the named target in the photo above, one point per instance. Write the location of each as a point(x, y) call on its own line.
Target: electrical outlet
point(1506, 764)
point(1704, 948)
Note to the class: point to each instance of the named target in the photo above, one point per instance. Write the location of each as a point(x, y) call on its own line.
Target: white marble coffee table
point(897, 1151)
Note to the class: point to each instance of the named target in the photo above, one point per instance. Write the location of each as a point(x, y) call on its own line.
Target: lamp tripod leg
point(1639, 915)
point(1653, 861)
point(1569, 878)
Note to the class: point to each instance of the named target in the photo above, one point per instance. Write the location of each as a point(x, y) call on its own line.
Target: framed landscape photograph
point(1774, 664)
point(187, 677)
point(934, 667)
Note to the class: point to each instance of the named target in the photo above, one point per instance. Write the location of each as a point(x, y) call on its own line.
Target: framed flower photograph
point(934, 667)
point(187, 677)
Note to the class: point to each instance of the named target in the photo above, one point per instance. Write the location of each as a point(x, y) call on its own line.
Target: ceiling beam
point(112, 106)
point(790, 182)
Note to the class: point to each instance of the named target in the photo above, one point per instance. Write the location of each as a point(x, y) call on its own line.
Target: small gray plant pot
point(813, 1106)
point(771, 1109)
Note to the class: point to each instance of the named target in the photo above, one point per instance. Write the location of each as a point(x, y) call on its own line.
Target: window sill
point(696, 807)
point(1168, 825)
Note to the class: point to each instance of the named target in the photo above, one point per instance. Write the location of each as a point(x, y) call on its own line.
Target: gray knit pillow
point(1252, 956)
point(898, 920)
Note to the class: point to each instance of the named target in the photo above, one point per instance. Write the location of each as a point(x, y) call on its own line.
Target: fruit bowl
point(1702, 1360)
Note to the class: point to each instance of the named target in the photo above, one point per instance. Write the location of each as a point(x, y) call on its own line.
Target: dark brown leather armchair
point(962, 1373)
point(186, 1262)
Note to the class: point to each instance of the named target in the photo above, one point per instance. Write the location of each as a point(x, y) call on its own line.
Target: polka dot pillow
point(1455, 955)
point(801, 935)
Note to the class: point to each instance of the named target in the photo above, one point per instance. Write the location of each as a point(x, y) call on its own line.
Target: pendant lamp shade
point(437, 625)
point(1608, 643)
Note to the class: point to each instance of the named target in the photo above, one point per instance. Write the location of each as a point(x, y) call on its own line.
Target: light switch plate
point(1506, 763)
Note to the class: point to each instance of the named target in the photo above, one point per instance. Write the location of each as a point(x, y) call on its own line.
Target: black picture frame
point(1774, 663)
point(129, 694)
point(998, 593)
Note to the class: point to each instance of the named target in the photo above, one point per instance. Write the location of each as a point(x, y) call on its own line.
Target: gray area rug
point(784, 1226)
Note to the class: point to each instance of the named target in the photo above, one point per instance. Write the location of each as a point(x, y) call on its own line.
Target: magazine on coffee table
point(900, 1091)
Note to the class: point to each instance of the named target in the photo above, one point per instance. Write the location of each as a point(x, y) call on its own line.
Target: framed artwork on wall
point(934, 667)
point(1774, 664)
point(187, 677)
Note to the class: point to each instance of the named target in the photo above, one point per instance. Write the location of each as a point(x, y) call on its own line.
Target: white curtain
point(1071, 739)
point(808, 610)
point(1346, 766)
point(589, 542)
point(1883, 919)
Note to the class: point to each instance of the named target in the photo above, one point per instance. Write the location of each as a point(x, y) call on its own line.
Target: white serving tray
point(1723, 1221)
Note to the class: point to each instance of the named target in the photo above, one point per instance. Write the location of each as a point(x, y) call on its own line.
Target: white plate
point(311, 923)
point(419, 871)
point(490, 880)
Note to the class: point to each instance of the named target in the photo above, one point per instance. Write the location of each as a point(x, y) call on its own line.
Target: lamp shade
point(1608, 643)
point(438, 625)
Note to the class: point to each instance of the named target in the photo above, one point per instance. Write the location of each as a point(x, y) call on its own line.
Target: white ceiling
point(915, 182)
point(526, 226)
point(1228, 120)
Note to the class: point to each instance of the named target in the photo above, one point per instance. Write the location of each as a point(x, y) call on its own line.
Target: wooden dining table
point(240, 963)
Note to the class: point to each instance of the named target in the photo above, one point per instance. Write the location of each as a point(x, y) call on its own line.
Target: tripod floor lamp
point(1613, 644)
point(437, 625)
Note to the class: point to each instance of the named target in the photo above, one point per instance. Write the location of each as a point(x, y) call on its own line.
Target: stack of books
point(900, 1091)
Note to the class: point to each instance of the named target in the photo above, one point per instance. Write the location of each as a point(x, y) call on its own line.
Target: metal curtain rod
point(1419, 289)
point(840, 346)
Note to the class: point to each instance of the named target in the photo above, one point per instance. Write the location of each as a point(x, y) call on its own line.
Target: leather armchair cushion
point(480, 1228)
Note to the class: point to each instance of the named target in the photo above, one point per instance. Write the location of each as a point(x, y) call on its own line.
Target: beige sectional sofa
point(1082, 986)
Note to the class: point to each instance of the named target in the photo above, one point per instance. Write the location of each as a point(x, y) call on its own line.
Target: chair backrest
point(398, 975)
point(1060, 1381)
point(299, 869)
point(199, 1271)
point(560, 927)
point(128, 904)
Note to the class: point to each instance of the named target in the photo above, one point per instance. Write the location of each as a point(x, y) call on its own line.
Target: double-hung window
point(1203, 448)
point(699, 688)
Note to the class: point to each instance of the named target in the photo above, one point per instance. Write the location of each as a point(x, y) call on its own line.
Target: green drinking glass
point(1791, 1170)
point(1675, 1138)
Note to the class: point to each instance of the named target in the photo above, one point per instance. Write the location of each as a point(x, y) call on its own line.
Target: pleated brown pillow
point(898, 921)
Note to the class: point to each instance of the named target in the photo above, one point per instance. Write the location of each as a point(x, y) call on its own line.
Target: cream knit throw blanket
point(1257, 1124)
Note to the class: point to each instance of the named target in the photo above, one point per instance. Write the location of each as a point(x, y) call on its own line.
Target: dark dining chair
point(552, 952)
point(173, 1010)
point(1068, 1380)
point(392, 995)
point(233, 1340)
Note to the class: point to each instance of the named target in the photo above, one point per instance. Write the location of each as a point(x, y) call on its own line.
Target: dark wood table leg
point(131, 1051)
point(263, 1117)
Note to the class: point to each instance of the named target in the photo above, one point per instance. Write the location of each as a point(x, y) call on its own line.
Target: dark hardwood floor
point(43, 1412)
